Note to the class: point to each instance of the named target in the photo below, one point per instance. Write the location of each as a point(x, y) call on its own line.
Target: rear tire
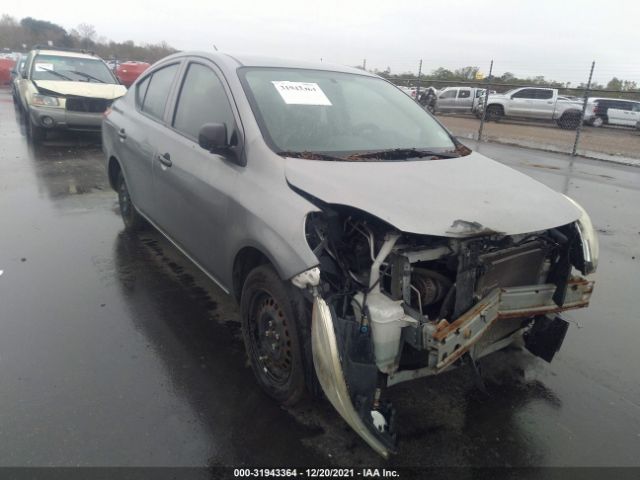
point(569, 121)
point(274, 315)
point(494, 113)
point(133, 221)
point(597, 122)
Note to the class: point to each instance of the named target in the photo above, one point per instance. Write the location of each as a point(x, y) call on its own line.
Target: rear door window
point(202, 99)
point(141, 90)
point(449, 94)
point(544, 94)
point(158, 91)
point(526, 93)
point(622, 105)
point(464, 93)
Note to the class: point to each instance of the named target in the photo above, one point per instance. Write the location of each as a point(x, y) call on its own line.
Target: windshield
point(74, 69)
point(330, 112)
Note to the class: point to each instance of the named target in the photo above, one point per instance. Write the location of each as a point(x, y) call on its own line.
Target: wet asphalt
point(115, 351)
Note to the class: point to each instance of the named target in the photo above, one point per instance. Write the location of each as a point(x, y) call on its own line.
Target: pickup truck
point(535, 103)
point(458, 99)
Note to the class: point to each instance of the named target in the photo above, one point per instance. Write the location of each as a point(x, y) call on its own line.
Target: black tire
point(133, 221)
point(276, 329)
point(569, 121)
point(35, 133)
point(494, 113)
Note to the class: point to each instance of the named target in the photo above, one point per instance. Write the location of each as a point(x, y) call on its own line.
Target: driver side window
point(526, 93)
point(202, 100)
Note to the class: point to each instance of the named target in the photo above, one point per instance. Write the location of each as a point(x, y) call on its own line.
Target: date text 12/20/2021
point(316, 472)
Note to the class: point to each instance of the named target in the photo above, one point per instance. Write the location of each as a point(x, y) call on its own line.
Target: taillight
point(595, 108)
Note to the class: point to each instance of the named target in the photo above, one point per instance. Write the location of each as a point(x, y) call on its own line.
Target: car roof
point(591, 99)
point(65, 53)
point(233, 61)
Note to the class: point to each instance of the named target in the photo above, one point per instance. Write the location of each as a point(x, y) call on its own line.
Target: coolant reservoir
point(387, 320)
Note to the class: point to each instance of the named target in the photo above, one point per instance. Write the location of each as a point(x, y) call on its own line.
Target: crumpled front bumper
point(445, 342)
point(326, 359)
point(64, 119)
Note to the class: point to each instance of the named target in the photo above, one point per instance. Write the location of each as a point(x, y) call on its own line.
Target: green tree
point(466, 73)
point(614, 84)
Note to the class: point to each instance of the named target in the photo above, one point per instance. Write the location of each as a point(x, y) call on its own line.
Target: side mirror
point(213, 137)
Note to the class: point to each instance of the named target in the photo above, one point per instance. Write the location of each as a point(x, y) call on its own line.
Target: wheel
point(494, 113)
point(273, 314)
point(431, 109)
point(35, 133)
point(569, 121)
point(133, 221)
point(597, 122)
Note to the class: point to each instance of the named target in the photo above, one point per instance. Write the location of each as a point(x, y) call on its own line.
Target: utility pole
point(486, 102)
point(364, 64)
point(418, 86)
point(584, 109)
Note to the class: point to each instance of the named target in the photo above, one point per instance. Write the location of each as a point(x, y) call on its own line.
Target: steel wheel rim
point(270, 338)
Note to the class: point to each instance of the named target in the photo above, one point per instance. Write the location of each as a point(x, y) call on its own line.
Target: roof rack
point(64, 49)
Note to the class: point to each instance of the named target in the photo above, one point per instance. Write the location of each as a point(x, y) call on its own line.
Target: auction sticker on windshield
point(301, 93)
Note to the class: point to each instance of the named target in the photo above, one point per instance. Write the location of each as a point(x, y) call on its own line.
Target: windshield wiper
point(402, 154)
point(55, 73)
point(86, 75)
point(311, 156)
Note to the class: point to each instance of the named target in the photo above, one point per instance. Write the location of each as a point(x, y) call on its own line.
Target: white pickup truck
point(533, 103)
point(458, 99)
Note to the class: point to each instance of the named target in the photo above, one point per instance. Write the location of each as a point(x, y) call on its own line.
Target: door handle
point(122, 134)
point(165, 159)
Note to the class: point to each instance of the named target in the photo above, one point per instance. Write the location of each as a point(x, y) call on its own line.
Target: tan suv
point(65, 89)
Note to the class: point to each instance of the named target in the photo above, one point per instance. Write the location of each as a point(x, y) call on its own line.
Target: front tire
point(133, 221)
point(494, 113)
point(35, 133)
point(273, 314)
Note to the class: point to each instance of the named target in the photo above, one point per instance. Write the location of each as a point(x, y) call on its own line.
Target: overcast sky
point(557, 39)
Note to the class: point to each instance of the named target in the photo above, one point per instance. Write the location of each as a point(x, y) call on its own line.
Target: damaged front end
point(391, 307)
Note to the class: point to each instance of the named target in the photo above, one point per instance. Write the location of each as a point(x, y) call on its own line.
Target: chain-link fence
point(589, 119)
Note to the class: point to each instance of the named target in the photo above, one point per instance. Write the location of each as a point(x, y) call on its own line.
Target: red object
point(127, 72)
point(6, 64)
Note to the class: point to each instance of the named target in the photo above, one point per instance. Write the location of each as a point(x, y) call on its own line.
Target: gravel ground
point(608, 142)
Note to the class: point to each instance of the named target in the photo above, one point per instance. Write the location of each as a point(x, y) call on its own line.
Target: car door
point(138, 126)
point(447, 99)
point(192, 185)
point(22, 84)
point(543, 103)
point(464, 100)
point(622, 113)
point(521, 102)
point(634, 115)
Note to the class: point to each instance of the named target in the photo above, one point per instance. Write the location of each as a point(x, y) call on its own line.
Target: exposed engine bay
point(403, 306)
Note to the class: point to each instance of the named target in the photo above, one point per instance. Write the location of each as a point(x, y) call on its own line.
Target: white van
point(611, 111)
